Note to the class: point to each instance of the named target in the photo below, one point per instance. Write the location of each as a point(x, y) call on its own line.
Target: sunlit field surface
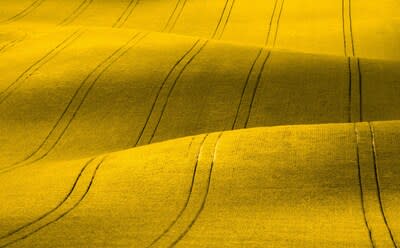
point(200, 123)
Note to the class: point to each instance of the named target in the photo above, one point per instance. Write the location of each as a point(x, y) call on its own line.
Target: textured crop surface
point(200, 123)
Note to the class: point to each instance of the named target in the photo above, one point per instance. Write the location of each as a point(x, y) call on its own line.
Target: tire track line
point(126, 14)
point(360, 181)
point(11, 44)
point(33, 6)
point(355, 90)
point(76, 13)
point(38, 64)
point(175, 15)
point(348, 41)
point(378, 186)
point(224, 19)
point(75, 196)
point(274, 22)
point(53, 209)
point(360, 89)
point(375, 220)
point(161, 100)
point(250, 88)
point(190, 146)
point(197, 197)
point(353, 63)
point(74, 105)
point(185, 205)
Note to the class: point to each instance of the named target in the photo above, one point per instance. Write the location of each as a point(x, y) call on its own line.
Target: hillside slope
point(94, 94)
point(290, 186)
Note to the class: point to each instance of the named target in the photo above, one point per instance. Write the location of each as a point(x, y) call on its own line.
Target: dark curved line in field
point(190, 146)
point(221, 18)
point(187, 198)
point(278, 22)
point(376, 174)
point(256, 88)
point(348, 40)
point(344, 30)
point(244, 87)
point(24, 12)
point(177, 17)
point(351, 29)
point(7, 46)
point(30, 70)
point(11, 44)
point(366, 223)
point(172, 14)
point(180, 237)
point(360, 89)
point(350, 100)
point(126, 14)
point(160, 89)
point(173, 86)
point(53, 209)
point(270, 22)
point(77, 12)
point(227, 19)
point(65, 213)
point(4, 46)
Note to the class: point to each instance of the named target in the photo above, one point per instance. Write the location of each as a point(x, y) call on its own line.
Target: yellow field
point(117, 116)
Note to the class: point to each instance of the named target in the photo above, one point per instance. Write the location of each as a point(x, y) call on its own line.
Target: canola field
point(199, 123)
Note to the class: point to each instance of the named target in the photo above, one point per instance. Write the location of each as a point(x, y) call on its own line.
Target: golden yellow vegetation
point(116, 121)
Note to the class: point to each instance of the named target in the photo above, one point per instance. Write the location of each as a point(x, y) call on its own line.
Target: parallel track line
point(74, 197)
point(76, 13)
point(123, 18)
point(224, 19)
point(37, 65)
point(378, 185)
point(161, 100)
point(33, 6)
